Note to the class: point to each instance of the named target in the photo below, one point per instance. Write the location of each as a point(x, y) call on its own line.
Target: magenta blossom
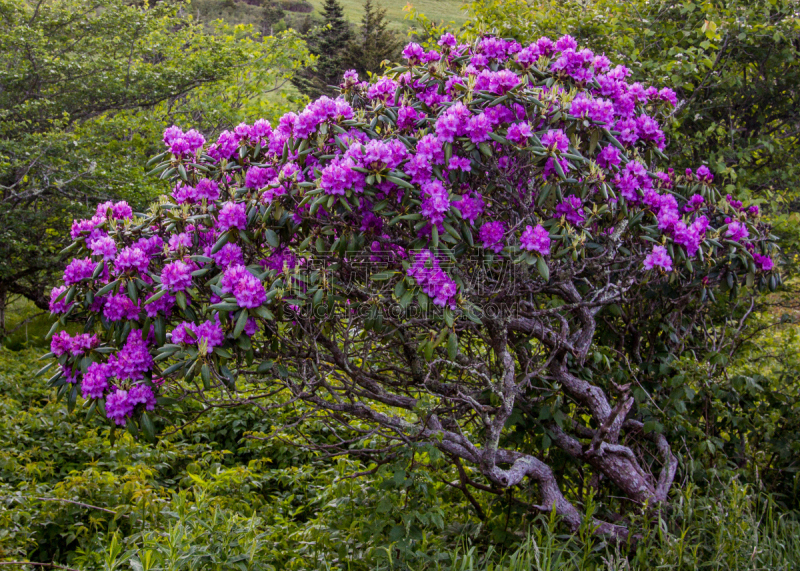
point(658, 258)
point(536, 239)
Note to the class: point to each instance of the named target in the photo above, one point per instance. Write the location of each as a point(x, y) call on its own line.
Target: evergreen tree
point(273, 14)
point(374, 42)
point(329, 43)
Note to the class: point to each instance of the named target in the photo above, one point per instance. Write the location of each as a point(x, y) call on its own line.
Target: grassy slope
point(241, 13)
point(435, 10)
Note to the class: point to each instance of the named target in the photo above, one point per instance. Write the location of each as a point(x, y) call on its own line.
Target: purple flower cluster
point(163, 305)
point(536, 239)
point(142, 394)
point(177, 276)
point(492, 235)
point(658, 258)
point(498, 82)
point(131, 259)
point(228, 255)
point(178, 241)
point(704, 174)
point(556, 139)
point(763, 263)
point(95, 380)
point(577, 64)
point(209, 332)
point(103, 246)
point(471, 207)
point(63, 344)
point(133, 360)
point(119, 407)
point(435, 283)
point(59, 306)
point(180, 143)
point(407, 117)
point(205, 188)
point(429, 153)
point(232, 215)
point(597, 109)
point(258, 177)
point(453, 123)
point(691, 236)
point(150, 246)
point(633, 181)
point(245, 287)
point(528, 56)
point(608, 157)
point(497, 48)
point(571, 208)
point(416, 55)
point(519, 133)
point(435, 202)
point(226, 146)
point(383, 90)
point(459, 164)
point(339, 177)
point(736, 231)
point(119, 307)
point(319, 111)
point(79, 270)
point(119, 210)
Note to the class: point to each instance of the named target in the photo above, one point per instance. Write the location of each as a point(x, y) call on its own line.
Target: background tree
point(80, 78)
point(273, 13)
point(374, 42)
point(329, 44)
point(736, 68)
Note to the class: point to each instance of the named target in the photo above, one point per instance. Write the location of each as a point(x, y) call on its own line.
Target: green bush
point(209, 497)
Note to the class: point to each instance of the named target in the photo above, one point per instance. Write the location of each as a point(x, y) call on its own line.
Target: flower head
point(658, 258)
point(536, 239)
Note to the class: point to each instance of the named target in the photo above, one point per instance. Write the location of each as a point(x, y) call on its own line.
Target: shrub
point(473, 257)
point(300, 6)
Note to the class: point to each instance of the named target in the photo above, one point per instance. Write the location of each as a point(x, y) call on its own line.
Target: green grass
point(241, 13)
point(435, 10)
point(228, 10)
point(27, 325)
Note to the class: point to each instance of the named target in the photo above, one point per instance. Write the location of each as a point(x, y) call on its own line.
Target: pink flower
point(492, 234)
point(658, 258)
point(737, 231)
point(536, 239)
point(232, 215)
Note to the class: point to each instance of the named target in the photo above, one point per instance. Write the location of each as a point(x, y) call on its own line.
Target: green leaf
point(272, 238)
point(452, 345)
point(148, 429)
point(107, 288)
point(544, 271)
point(221, 241)
point(156, 296)
point(240, 323)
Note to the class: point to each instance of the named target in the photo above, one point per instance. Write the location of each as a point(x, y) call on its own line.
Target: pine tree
point(273, 13)
point(373, 43)
point(329, 43)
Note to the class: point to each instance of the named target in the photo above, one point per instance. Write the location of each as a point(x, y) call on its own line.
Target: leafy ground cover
point(208, 497)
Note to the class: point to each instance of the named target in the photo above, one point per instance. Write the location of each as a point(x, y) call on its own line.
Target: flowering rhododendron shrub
point(478, 251)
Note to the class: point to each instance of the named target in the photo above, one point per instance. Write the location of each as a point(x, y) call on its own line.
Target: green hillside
point(435, 10)
point(236, 12)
